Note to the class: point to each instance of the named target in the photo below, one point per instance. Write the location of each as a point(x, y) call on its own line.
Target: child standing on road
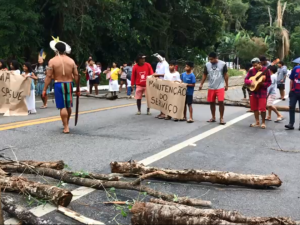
point(189, 78)
point(272, 96)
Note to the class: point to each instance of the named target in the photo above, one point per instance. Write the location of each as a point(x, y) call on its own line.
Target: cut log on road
point(3, 173)
point(284, 108)
point(1, 213)
point(21, 213)
point(155, 214)
point(57, 165)
point(51, 172)
point(57, 196)
point(68, 177)
point(76, 216)
point(219, 177)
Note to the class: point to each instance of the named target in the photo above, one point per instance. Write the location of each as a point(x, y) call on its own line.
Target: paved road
point(110, 131)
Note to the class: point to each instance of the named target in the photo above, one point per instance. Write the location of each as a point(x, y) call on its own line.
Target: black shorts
point(281, 86)
point(124, 80)
point(94, 82)
point(189, 100)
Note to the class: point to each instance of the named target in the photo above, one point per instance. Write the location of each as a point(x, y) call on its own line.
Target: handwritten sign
point(13, 90)
point(166, 96)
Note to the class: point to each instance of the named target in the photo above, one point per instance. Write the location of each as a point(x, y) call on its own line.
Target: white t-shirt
point(172, 76)
point(162, 67)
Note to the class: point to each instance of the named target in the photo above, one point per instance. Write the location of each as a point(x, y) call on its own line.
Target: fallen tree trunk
point(285, 108)
point(199, 176)
point(51, 172)
point(1, 213)
point(54, 194)
point(155, 214)
point(68, 177)
point(57, 165)
point(21, 213)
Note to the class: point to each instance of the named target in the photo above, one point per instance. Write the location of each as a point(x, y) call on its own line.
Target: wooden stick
point(1, 213)
point(76, 216)
point(21, 213)
point(219, 177)
point(57, 196)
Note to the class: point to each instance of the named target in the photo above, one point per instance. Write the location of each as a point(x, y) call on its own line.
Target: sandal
point(211, 121)
point(149, 113)
point(222, 122)
point(190, 121)
point(168, 118)
point(157, 117)
point(254, 125)
point(263, 126)
point(184, 119)
point(268, 119)
point(138, 113)
point(43, 107)
point(161, 117)
point(279, 120)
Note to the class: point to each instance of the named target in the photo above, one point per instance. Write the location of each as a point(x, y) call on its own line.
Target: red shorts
point(139, 92)
point(213, 94)
point(258, 104)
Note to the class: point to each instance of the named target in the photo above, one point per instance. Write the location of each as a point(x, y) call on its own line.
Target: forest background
point(116, 30)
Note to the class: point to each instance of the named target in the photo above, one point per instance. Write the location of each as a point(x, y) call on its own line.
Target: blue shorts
point(40, 88)
point(63, 92)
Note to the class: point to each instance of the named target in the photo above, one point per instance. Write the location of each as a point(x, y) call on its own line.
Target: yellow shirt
point(115, 73)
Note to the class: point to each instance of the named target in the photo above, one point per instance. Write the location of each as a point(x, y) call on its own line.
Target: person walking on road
point(123, 77)
point(294, 95)
point(258, 99)
point(272, 96)
point(140, 72)
point(94, 74)
point(282, 72)
point(30, 100)
point(62, 68)
point(40, 71)
point(217, 72)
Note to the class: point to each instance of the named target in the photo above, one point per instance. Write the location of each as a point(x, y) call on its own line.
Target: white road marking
point(42, 210)
point(195, 139)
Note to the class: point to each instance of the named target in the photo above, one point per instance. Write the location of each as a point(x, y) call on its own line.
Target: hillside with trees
point(119, 29)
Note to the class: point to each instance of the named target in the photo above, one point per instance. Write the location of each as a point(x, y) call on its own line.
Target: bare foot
point(66, 130)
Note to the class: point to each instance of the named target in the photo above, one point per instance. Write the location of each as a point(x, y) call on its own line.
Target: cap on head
point(255, 60)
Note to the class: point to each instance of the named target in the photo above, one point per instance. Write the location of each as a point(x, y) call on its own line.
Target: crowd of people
point(134, 76)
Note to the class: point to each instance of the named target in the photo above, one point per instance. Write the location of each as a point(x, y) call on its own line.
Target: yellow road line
point(9, 126)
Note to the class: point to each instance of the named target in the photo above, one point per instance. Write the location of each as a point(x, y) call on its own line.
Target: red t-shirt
point(140, 74)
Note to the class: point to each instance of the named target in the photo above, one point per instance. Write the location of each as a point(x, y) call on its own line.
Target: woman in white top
point(30, 100)
point(14, 67)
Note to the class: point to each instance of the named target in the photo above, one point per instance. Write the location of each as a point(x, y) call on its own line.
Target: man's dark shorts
point(189, 100)
point(281, 86)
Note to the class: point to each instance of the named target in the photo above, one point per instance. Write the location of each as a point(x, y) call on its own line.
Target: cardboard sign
point(166, 96)
point(13, 90)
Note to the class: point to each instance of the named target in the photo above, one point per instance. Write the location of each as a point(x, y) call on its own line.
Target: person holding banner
point(2, 65)
point(15, 67)
point(30, 100)
point(189, 78)
point(62, 68)
point(173, 75)
point(140, 72)
point(162, 69)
